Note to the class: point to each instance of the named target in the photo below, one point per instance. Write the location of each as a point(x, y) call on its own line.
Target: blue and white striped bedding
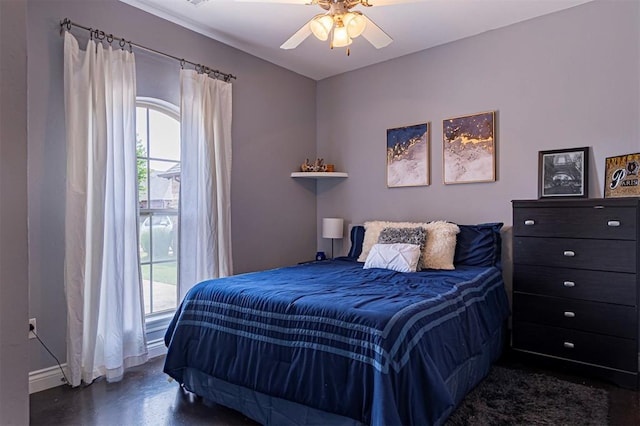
point(372, 345)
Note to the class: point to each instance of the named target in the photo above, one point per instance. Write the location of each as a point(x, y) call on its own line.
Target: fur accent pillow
point(441, 245)
point(439, 248)
point(416, 236)
point(397, 257)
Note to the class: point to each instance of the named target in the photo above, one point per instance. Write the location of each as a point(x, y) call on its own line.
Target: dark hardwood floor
point(146, 397)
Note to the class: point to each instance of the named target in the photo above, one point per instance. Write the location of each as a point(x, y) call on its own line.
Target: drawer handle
point(569, 284)
point(569, 345)
point(613, 223)
point(529, 222)
point(569, 253)
point(569, 314)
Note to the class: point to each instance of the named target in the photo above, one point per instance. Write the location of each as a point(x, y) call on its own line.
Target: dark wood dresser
point(575, 284)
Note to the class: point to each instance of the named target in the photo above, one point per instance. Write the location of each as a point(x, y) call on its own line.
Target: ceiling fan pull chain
point(348, 51)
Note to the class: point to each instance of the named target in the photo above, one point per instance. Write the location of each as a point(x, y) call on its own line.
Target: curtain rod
point(66, 23)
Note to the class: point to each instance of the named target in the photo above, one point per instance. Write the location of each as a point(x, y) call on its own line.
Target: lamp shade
point(340, 37)
point(320, 26)
point(355, 23)
point(332, 227)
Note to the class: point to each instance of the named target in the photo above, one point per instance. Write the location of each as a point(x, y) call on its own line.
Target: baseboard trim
point(52, 377)
point(46, 378)
point(156, 348)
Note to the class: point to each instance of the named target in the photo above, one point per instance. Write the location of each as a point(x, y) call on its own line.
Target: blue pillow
point(357, 238)
point(479, 245)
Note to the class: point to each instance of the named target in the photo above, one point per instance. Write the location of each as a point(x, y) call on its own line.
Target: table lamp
point(332, 227)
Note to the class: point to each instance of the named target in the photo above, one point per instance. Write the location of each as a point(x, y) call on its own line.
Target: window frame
point(157, 323)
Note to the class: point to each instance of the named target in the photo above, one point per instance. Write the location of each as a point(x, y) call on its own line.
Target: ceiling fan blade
point(375, 35)
point(297, 38)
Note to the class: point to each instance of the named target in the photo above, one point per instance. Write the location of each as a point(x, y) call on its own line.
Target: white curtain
point(105, 314)
point(205, 180)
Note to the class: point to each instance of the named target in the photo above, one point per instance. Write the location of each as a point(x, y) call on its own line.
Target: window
point(158, 158)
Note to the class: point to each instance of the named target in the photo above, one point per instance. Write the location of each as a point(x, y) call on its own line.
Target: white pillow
point(397, 257)
point(439, 248)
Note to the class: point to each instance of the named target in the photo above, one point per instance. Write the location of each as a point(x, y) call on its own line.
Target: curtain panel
point(205, 181)
point(105, 320)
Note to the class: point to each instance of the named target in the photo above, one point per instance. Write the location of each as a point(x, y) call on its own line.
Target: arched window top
point(159, 105)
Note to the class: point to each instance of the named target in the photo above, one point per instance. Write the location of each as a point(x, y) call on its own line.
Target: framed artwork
point(469, 148)
point(408, 156)
point(621, 176)
point(563, 173)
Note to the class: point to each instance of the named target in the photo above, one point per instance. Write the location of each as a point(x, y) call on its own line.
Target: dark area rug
point(515, 397)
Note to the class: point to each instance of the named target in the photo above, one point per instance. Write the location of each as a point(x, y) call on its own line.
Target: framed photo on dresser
point(621, 176)
point(563, 173)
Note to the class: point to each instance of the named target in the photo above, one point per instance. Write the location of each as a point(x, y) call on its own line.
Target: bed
point(333, 342)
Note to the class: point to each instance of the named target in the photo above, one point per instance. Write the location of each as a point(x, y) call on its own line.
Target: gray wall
point(569, 79)
point(274, 121)
point(14, 391)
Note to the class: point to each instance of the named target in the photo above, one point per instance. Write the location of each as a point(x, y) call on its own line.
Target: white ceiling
point(259, 28)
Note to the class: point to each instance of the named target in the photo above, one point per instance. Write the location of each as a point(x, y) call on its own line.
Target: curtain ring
point(110, 38)
point(91, 33)
point(122, 43)
point(130, 47)
point(65, 25)
point(182, 62)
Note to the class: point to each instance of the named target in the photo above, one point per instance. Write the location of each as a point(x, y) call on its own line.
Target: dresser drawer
point(604, 255)
point(609, 287)
point(591, 348)
point(586, 222)
point(603, 318)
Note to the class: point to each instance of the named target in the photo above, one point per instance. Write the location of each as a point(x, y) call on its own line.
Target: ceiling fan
point(339, 23)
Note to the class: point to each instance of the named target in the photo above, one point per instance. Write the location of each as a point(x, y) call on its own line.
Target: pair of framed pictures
point(565, 173)
point(468, 151)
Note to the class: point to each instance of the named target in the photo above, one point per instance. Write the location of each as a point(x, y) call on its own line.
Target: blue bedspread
point(373, 345)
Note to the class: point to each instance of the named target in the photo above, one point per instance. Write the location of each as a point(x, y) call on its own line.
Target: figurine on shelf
point(317, 166)
point(306, 166)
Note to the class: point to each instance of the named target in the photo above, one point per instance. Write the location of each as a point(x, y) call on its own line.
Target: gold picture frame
point(408, 156)
point(469, 148)
point(621, 176)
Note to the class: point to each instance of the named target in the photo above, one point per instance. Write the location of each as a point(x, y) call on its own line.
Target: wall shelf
point(319, 175)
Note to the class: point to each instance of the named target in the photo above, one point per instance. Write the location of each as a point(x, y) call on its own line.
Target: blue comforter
point(373, 345)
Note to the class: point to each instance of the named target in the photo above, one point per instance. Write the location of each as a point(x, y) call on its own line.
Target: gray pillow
point(417, 236)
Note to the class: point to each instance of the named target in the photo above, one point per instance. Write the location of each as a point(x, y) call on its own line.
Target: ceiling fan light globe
point(355, 23)
point(340, 37)
point(321, 26)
